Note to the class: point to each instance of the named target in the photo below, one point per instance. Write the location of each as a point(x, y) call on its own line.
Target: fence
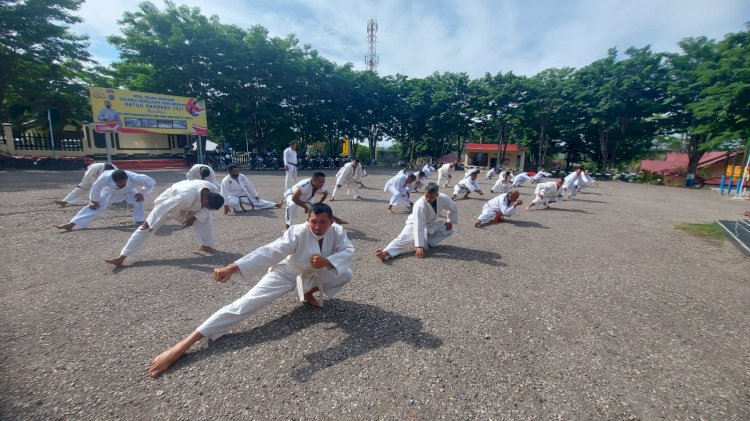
point(71, 141)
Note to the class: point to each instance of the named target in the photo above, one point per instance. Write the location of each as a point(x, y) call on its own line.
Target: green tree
point(42, 60)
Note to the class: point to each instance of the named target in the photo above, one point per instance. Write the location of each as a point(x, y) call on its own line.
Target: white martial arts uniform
point(104, 191)
point(423, 227)
point(500, 205)
point(348, 175)
point(398, 187)
point(545, 192)
point(81, 192)
point(584, 181)
point(465, 186)
point(417, 180)
point(569, 189)
point(503, 184)
point(179, 202)
point(491, 173)
point(286, 262)
point(538, 176)
point(306, 197)
point(290, 163)
point(444, 174)
point(195, 174)
point(428, 170)
point(242, 190)
point(520, 179)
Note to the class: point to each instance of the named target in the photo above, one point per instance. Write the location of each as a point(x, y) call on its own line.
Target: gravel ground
point(598, 309)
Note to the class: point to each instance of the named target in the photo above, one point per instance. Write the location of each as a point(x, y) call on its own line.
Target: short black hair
point(231, 167)
point(318, 174)
point(432, 188)
point(205, 172)
point(119, 175)
point(215, 200)
point(108, 167)
point(321, 208)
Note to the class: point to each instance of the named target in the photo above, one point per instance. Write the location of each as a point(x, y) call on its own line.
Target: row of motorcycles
point(271, 161)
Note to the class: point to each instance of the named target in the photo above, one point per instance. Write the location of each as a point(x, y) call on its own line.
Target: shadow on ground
point(368, 328)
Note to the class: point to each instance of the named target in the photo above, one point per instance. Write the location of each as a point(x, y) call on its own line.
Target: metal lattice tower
point(371, 60)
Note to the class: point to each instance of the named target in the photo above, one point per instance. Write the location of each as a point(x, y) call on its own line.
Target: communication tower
point(371, 60)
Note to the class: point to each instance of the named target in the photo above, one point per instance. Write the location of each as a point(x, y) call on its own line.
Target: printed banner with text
point(118, 110)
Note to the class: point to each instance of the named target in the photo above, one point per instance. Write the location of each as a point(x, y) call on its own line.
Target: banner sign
point(735, 171)
point(122, 111)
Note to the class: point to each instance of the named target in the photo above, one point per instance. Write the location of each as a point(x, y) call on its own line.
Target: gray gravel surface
point(598, 309)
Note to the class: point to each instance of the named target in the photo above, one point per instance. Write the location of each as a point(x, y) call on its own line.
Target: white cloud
point(417, 38)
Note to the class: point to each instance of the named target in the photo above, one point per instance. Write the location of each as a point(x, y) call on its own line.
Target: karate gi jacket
point(195, 174)
point(137, 183)
point(181, 201)
point(424, 218)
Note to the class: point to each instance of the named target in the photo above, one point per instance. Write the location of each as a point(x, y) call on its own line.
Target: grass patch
point(710, 231)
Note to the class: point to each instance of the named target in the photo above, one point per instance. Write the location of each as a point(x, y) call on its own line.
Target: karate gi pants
point(397, 198)
point(488, 214)
point(274, 284)
point(500, 187)
point(436, 232)
point(442, 180)
point(234, 202)
point(352, 187)
point(77, 195)
point(84, 217)
point(204, 236)
point(291, 209)
point(291, 177)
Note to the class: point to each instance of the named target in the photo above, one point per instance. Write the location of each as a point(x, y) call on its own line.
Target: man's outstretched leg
point(165, 360)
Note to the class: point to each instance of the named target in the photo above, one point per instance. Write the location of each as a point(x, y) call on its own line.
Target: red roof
point(491, 147)
point(680, 160)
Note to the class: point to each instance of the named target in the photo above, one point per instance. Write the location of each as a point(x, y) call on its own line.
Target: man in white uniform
point(503, 183)
point(428, 170)
point(301, 195)
point(237, 191)
point(444, 174)
point(491, 173)
point(93, 171)
point(111, 187)
point(569, 189)
point(539, 175)
point(398, 187)
point(502, 206)
point(290, 165)
point(189, 202)
point(423, 227)
point(545, 192)
point(467, 185)
point(585, 180)
point(349, 174)
point(202, 172)
point(315, 257)
point(521, 178)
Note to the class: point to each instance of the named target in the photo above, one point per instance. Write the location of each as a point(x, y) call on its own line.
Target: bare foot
point(117, 262)
point(477, 224)
point(279, 205)
point(528, 208)
point(382, 255)
point(62, 203)
point(310, 298)
point(67, 227)
point(207, 249)
point(165, 360)
point(390, 210)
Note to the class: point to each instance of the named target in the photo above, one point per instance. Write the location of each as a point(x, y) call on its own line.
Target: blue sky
point(418, 37)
